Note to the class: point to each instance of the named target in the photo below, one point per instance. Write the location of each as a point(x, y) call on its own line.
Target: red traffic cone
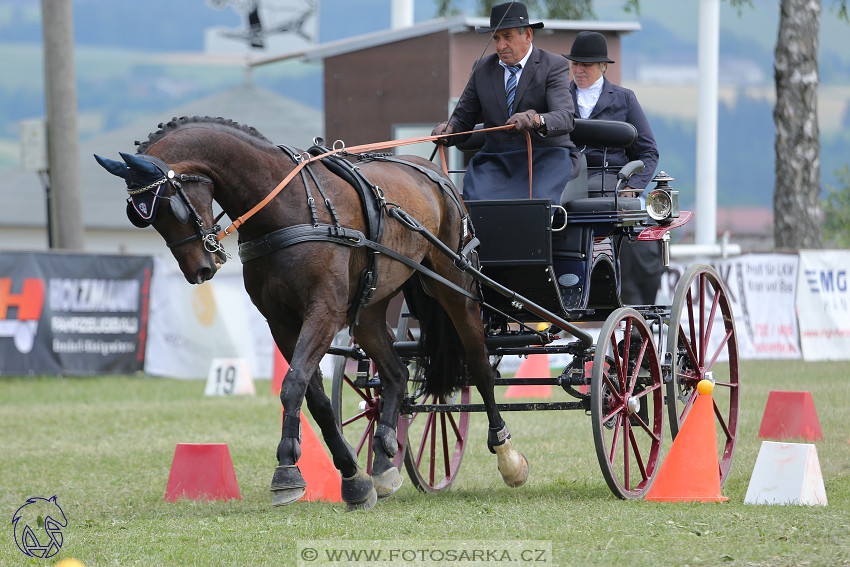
point(323, 480)
point(691, 470)
point(202, 471)
point(279, 369)
point(790, 415)
point(535, 366)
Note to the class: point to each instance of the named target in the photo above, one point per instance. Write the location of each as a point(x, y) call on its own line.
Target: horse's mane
point(177, 123)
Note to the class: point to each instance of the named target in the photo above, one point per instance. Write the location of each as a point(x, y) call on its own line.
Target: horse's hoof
point(366, 504)
point(387, 483)
point(358, 492)
point(512, 464)
point(285, 496)
point(288, 485)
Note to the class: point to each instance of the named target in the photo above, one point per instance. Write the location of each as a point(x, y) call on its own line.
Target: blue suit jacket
point(619, 103)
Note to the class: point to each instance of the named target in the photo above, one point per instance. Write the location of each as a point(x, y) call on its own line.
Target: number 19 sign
point(229, 377)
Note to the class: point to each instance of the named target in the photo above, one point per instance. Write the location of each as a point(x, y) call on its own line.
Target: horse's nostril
point(204, 274)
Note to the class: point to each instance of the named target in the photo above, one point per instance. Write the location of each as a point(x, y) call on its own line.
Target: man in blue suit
point(528, 88)
point(595, 97)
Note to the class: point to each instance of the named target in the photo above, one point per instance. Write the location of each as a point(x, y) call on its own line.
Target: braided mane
point(215, 123)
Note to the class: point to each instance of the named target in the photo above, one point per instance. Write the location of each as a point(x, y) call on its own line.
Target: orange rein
point(363, 148)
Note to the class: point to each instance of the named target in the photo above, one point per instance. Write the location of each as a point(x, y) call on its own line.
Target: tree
point(797, 145)
point(836, 209)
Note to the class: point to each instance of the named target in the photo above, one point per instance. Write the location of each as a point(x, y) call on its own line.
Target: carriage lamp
point(662, 203)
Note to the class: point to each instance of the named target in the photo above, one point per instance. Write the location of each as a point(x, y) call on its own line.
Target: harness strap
point(296, 234)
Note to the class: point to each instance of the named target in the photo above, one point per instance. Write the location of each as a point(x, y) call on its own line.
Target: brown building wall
point(411, 81)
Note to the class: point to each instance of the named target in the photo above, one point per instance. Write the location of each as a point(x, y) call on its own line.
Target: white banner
point(190, 325)
point(761, 293)
point(823, 301)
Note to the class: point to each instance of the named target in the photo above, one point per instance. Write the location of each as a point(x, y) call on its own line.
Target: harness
point(182, 208)
point(374, 207)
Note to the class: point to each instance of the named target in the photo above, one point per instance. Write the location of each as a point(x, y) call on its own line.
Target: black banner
point(75, 314)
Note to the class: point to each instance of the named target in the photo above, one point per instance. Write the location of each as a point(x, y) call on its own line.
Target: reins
point(355, 149)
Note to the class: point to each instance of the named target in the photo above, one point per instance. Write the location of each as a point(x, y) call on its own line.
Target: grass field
point(104, 446)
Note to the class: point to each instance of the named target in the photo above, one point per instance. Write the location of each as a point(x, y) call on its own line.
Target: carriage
point(355, 227)
point(551, 271)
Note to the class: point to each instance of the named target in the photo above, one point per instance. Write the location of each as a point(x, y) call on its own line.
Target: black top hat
point(509, 15)
point(589, 47)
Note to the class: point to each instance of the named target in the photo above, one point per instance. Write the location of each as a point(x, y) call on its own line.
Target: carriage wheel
point(435, 441)
point(627, 404)
point(702, 342)
point(358, 422)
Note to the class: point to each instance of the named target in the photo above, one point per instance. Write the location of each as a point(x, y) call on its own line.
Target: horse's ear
point(140, 164)
point(112, 166)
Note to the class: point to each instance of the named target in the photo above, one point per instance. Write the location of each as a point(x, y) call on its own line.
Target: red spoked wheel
point(627, 404)
point(701, 343)
point(435, 441)
point(357, 406)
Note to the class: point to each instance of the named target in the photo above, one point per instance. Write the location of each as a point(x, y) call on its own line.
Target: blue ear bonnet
point(145, 177)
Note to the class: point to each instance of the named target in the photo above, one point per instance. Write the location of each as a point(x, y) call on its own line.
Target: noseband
point(184, 209)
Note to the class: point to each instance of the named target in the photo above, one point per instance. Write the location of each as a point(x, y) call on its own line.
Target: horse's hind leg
point(357, 489)
point(466, 317)
point(372, 335)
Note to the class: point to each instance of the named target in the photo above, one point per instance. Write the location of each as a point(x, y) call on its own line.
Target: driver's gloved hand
point(442, 129)
point(525, 121)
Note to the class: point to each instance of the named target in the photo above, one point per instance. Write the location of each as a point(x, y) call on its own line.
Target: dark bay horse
point(307, 271)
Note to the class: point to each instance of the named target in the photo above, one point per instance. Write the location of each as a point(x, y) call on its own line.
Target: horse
point(310, 268)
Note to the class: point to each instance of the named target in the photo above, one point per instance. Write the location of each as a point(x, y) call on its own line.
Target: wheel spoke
point(719, 350)
point(721, 420)
point(615, 439)
point(365, 393)
point(446, 461)
point(424, 439)
point(360, 415)
point(627, 434)
point(638, 456)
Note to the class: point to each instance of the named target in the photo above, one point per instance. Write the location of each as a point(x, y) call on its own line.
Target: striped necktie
point(510, 87)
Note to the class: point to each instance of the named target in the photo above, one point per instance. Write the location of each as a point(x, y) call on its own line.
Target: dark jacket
point(543, 86)
point(619, 103)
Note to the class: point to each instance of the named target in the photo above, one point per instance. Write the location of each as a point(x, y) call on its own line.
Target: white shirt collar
point(522, 63)
point(587, 98)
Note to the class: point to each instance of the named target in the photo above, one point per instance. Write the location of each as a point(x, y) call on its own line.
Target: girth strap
point(290, 235)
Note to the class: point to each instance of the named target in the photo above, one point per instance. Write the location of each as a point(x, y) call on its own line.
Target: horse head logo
point(38, 527)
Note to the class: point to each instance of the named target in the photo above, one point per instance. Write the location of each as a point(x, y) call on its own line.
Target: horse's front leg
point(304, 379)
point(357, 489)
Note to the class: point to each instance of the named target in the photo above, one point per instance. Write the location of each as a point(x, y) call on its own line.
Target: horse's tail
point(440, 352)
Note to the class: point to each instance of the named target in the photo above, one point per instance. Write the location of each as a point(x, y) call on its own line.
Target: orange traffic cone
point(691, 470)
point(535, 366)
point(279, 369)
point(323, 480)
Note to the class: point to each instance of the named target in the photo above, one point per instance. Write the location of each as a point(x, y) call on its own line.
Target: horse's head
point(182, 220)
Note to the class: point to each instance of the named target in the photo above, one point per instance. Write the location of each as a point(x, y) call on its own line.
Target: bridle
point(185, 211)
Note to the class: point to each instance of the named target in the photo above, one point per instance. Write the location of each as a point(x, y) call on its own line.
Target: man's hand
point(441, 130)
point(525, 121)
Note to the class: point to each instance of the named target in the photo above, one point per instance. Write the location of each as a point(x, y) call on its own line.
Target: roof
point(280, 119)
point(452, 25)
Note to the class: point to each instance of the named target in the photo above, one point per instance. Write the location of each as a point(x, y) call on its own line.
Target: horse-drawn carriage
point(645, 361)
point(356, 227)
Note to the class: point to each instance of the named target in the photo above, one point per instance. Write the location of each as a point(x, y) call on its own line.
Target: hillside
point(126, 71)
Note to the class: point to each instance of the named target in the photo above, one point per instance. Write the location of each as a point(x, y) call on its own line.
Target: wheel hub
point(633, 405)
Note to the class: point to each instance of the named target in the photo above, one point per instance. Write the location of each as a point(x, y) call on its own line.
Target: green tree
point(836, 209)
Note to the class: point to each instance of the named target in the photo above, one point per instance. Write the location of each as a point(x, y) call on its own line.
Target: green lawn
point(104, 446)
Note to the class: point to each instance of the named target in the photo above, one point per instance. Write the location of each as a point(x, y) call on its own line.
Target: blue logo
point(38, 527)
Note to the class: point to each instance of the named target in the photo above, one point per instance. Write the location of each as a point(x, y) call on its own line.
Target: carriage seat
point(586, 193)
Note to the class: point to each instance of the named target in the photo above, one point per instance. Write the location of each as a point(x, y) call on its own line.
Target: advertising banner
point(75, 314)
point(823, 301)
point(761, 290)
